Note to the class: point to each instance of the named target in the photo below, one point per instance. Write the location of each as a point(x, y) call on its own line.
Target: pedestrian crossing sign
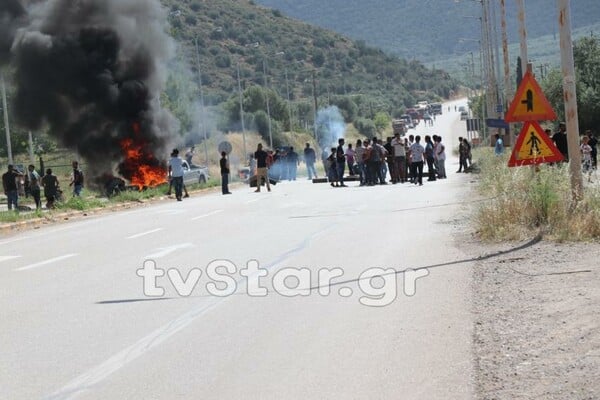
point(533, 147)
point(529, 104)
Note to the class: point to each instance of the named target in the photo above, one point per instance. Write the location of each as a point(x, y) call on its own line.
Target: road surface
point(77, 324)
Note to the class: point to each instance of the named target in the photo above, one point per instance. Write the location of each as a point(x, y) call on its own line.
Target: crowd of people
point(403, 158)
point(32, 184)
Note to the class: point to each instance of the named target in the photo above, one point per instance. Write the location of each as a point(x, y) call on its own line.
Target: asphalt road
point(77, 324)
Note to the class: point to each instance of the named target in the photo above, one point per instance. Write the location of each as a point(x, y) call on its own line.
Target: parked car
point(194, 173)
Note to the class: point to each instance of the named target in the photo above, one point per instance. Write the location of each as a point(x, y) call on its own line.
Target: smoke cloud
point(92, 71)
point(12, 15)
point(330, 127)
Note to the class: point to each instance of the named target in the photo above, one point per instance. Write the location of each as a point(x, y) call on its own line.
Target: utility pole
point(314, 84)
point(268, 106)
point(203, 114)
point(570, 96)
point(242, 111)
point(508, 94)
point(522, 34)
point(287, 89)
point(6, 125)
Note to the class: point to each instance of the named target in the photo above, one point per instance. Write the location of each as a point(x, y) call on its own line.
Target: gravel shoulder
point(537, 320)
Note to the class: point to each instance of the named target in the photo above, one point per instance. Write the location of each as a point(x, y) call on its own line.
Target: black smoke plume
point(12, 15)
point(92, 71)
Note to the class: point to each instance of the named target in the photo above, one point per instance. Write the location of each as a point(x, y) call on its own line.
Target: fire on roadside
point(140, 166)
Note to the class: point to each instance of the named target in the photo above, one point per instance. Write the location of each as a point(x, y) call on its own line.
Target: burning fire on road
point(141, 167)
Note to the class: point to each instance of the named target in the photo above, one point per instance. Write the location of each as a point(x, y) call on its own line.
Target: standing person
point(411, 141)
point(11, 190)
point(76, 179)
point(417, 152)
point(224, 164)
point(310, 158)
point(430, 158)
point(50, 184)
point(340, 157)
point(560, 140)
point(593, 142)
point(350, 158)
point(34, 185)
point(376, 158)
point(189, 155)
point(586, 151)
point(293, 161)
point(499, 146)
point(462, 155)
point(399, 158)
point(359, 156)
point(332, 169)
point(391, 164)
point(440, 154)
point(176, 173)
point(261, 167)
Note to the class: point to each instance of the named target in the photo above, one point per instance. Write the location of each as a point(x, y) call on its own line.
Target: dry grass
point(525, 201)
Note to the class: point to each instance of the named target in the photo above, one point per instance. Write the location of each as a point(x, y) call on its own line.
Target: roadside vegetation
point(525, 201)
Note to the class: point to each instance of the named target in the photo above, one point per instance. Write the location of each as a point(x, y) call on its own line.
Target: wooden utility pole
point(570, 97)
point(508, 93)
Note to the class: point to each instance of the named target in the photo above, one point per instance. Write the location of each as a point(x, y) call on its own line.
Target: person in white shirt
point(440, 157)
point(416, 157)
point(399, 158)
point(176, 173)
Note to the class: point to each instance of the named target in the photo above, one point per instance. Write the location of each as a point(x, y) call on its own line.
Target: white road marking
point(171, 211)
point(254, 201)
point(165, 251)
point(207, 215)
point(13, 240)
point(49, 261)
point(6, 258)
point(144, 233)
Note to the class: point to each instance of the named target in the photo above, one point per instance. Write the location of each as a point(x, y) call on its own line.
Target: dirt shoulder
point(537, 321)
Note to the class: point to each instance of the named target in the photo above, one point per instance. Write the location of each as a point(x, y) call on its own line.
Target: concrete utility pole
point(570, 96)
point(287, 89)
point(522, 35)
point(203, 116)
point(6, 125)
point(242, 112)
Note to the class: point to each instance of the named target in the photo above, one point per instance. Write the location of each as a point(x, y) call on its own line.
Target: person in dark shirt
point(261, 167)
point(292, 159)
point(560, 140)
point(50, 184)
point(310, 158)
point(340, 156)
point(11, 190)
point(224, 164)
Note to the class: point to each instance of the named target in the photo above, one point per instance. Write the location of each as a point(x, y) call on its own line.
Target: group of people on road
point(33, 184)
point(403, 158)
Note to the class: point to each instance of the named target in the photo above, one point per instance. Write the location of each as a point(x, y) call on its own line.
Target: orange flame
point(140, 166)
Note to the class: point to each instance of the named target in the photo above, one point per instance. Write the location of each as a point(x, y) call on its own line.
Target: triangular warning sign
point(533, 147)
point(529, 104)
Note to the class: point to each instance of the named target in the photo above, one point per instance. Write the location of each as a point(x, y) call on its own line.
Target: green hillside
point(428, 30)
point(231, 32)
